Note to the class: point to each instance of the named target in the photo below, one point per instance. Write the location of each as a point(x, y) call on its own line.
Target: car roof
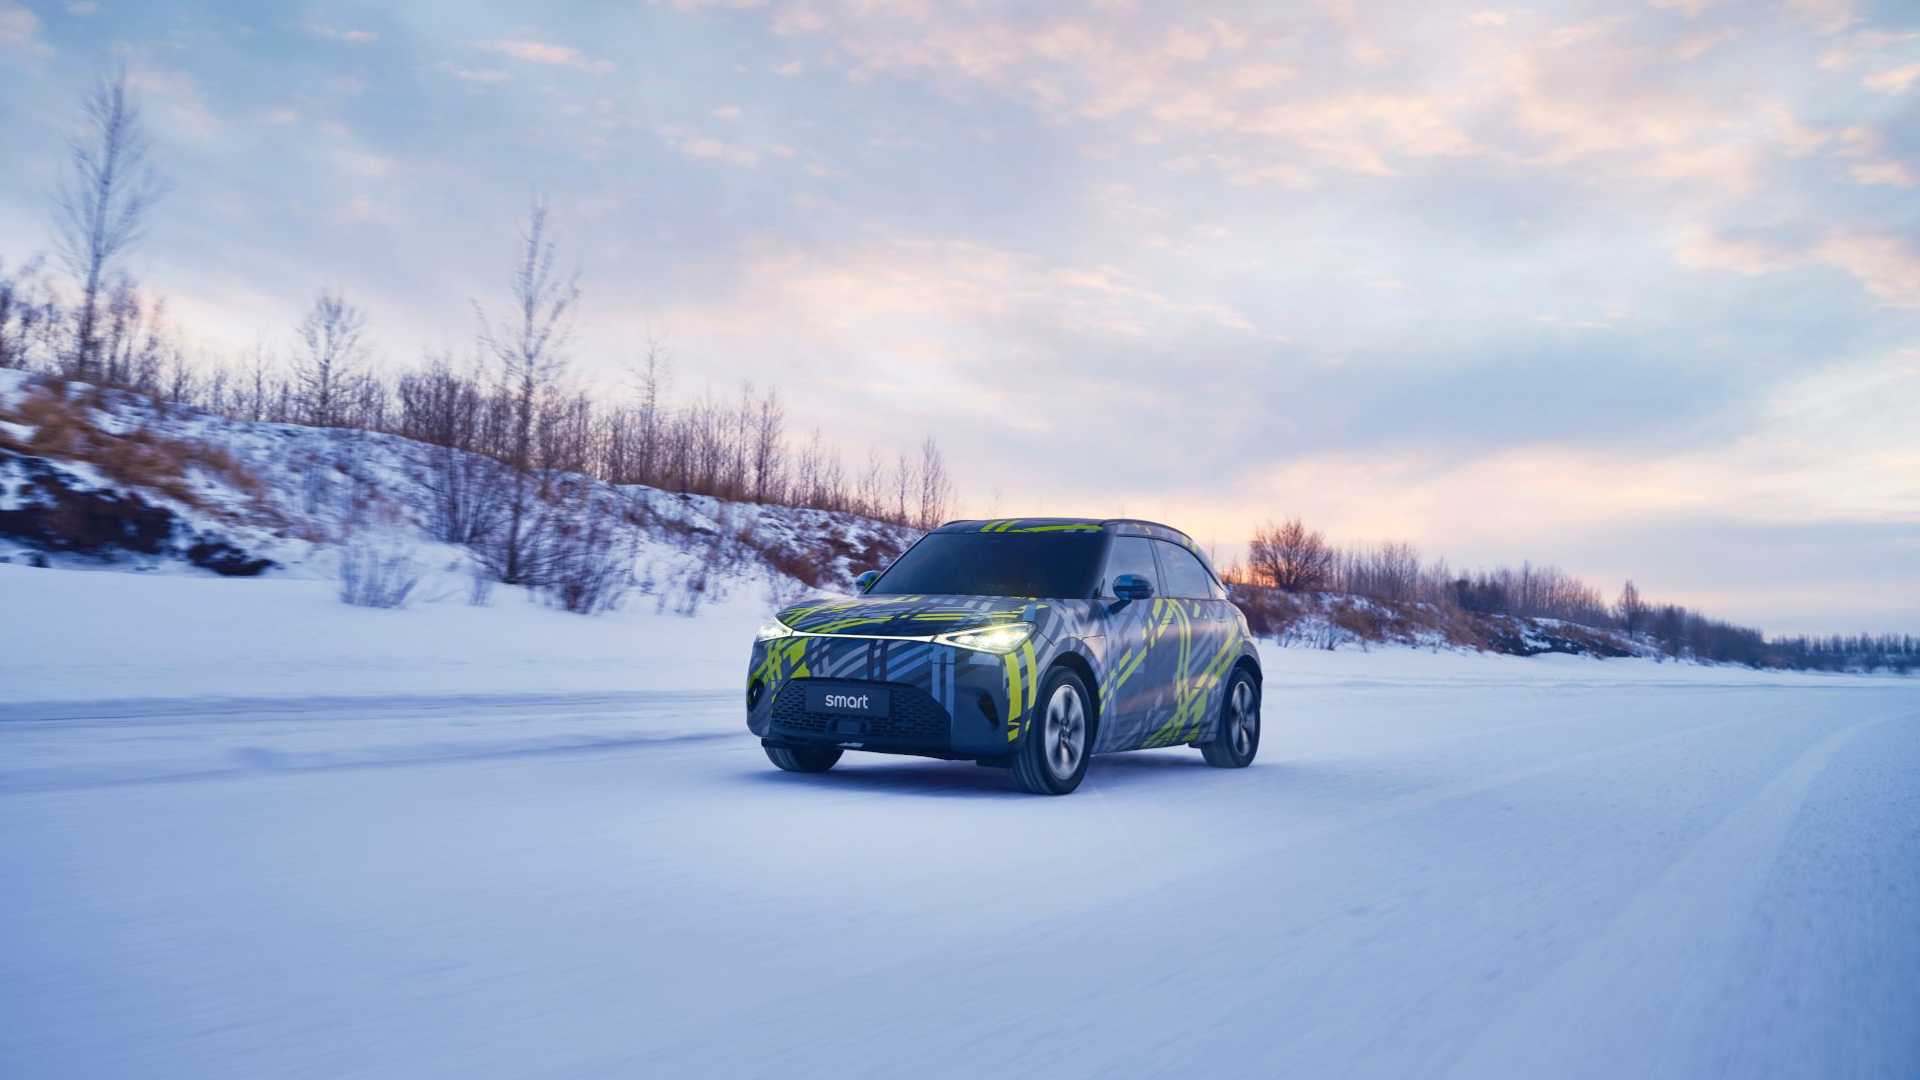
point(1121, 526)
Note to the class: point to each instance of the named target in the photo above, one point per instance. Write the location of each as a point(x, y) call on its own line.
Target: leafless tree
point(530, 346)
point(131, 340)
point(870, 491)
point(1291, 557)
point(1389, 571)
point(333, 337)
point(902, 488)
point(768, 428)
point(650, 376)
point(1631, 610)
point(27, 313)
point(935, 487)
point(101, 208)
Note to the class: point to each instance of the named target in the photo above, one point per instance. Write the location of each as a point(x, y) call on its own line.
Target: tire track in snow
point(1687, 923)
point(1070, 928)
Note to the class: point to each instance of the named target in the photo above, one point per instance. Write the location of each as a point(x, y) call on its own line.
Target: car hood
point(907, 616)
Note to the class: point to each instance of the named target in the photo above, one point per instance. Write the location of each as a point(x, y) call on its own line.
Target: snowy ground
point(425, 858)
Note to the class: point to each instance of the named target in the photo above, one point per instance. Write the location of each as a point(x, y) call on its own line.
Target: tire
point(1237, 741)
point(1053, 754)
point(803, 758)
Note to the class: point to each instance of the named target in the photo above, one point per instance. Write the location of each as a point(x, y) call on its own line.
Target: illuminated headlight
point(773, 630)
point(992, 639)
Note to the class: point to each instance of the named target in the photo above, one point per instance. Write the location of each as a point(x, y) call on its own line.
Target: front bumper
point(946, 701)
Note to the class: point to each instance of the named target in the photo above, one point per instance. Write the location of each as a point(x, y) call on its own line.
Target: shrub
point(377, 577)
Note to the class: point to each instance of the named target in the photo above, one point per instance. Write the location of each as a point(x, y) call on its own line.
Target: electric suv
point(1030, 643)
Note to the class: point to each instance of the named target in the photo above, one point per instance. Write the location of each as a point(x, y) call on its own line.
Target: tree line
point(1292, 557)
point(509, 423)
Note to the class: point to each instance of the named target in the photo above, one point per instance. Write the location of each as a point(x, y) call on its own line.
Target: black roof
point(1020, 524)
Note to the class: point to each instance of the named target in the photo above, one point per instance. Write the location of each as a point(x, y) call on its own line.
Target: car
point(1028, 643)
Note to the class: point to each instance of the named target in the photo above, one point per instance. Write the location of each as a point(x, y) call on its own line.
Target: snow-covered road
point(1487, 870)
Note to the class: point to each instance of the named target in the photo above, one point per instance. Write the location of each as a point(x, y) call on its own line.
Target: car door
point(1126, 698)
point(1192, 638)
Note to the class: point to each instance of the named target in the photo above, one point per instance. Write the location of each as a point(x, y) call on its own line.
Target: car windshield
point(1041, 564)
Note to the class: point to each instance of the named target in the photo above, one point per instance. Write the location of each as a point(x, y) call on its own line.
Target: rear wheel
point(1238, 740)
point(1052, 759)
point(803, 758)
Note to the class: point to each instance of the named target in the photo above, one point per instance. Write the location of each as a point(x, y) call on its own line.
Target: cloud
point(1248, 101)
point(1894, 80)
point(1826, 16)
point(1692, 9)
point(83, 8)
point(898, 275)
point(1888, 173)
point(1872, 165)
point(540, 52)
point(20, 29)
point(175, 102)
point(345, 36)
point(704, 148)
point(481, 76)
point(1886, 264)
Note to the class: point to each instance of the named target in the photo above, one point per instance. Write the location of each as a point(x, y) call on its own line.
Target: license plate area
point(848, 706)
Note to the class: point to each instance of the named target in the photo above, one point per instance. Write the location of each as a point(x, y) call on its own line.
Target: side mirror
point(865, 581)
point(1131, 587)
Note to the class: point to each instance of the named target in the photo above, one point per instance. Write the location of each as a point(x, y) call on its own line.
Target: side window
point(1130, 555)
point(1186, 577)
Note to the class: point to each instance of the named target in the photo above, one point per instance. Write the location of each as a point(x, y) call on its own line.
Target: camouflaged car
point(1031, 643)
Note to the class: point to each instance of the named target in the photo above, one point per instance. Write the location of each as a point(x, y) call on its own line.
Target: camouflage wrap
point(1158, 667)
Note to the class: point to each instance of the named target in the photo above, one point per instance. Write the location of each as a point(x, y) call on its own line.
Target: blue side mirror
point(865, 581)
point(1132, 587)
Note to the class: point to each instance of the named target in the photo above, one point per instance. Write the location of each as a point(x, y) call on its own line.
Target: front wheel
point(1238, 740)
point(803, 758)
point(1052, 758)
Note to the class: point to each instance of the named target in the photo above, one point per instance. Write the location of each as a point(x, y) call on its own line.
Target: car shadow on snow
point(960, 779)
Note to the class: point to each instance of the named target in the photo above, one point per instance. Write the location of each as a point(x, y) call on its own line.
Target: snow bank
point(77, 635)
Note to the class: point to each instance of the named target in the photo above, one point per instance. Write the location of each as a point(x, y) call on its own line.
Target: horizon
point(1630, 292)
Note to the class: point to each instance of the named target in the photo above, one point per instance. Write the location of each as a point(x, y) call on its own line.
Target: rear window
point(1059, 565)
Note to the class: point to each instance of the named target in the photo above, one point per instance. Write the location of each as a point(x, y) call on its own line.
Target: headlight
point(774, 629)
point(992, 639)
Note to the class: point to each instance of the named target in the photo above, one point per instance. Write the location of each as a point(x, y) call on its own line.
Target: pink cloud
point(540, 52)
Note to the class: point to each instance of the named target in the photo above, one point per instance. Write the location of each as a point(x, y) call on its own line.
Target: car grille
point(915, 717)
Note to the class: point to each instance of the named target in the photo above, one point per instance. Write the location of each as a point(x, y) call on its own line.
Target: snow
point(250, 831)
point(74, 635)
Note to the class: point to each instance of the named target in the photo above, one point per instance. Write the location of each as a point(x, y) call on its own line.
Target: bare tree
point(650, 377)
point(1389, 571)
point(101, 209)
point(768, 433)
point(27, 313)
point(334, 337)
point(1632, 611)
point(1291, 557)
point(935, 488)
point(530, 346)
point(258, 391)
point(902, 488)
point(870, 490)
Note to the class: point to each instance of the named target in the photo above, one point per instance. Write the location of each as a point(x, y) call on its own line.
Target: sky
point(1631, 289)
